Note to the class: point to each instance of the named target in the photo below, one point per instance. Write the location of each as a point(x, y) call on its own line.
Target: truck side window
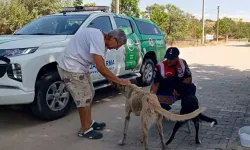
point(103, 23)
point(124, 24)
point(147, 28)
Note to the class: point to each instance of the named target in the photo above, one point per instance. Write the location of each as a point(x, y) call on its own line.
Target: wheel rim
point(148, 73)
point(57, 96)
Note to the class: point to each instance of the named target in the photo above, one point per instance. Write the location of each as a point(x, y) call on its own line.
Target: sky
point(229, 8)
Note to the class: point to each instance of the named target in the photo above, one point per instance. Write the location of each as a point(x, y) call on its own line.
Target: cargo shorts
point(79, 85)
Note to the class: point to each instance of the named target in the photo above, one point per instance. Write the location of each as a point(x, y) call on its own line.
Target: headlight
point(17, 51)
point(14, 72)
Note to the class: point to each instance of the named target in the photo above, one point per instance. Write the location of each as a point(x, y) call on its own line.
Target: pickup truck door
point(130, 54)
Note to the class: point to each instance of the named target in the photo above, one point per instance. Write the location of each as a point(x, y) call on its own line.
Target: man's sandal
point(97, 126)
point(90, 134)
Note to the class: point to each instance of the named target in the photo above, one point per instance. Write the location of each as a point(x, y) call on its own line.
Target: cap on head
point(172, 53)
point(120, 36)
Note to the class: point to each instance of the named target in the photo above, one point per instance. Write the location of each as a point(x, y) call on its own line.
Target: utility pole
point(203, 21)
point(117, 6)
point(218, 18)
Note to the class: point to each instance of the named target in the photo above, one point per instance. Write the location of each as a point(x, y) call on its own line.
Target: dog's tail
point(175, 117)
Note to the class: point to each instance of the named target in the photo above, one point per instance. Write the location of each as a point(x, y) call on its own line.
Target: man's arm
point(157, 79)
point(97, 49)
point(100, 66)
point(154, 87)
point(187, 75)
point(187, 80)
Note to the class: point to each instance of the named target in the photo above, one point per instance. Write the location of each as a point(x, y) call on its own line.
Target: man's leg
point(166, 101)
point(82, 93)
point(85, 112)
point(165, 106)
point(93, 124)
point(85, 117)
point(185, 88)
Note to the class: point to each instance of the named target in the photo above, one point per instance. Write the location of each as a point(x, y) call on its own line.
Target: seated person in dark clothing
point(170, 77)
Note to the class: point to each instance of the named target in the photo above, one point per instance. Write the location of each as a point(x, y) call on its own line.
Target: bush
point(16, 13)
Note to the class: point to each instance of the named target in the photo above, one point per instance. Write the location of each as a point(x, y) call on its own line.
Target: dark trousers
point(183, 89)
point(165, 106)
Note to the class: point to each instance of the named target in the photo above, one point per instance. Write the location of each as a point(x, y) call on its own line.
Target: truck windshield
point(53, 25)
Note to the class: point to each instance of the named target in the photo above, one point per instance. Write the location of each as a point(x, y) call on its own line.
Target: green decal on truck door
point(133, 57)
point(130, 49)
point(130, 53)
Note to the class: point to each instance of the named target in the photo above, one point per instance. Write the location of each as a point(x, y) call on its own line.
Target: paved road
point(221, 74)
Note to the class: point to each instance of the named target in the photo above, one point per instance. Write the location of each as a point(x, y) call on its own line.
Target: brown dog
point(147, 106)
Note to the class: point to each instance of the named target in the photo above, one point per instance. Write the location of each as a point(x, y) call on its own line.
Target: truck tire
point(52, 100)
point(147, 73)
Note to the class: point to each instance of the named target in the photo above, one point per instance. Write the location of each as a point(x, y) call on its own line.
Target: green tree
point(158, 15)
point(12, 16)
point(177, 24)
point(67, 3)
point(38, 8)
point(209, 30)
point(248, 27)
point(127, 7)
point(243, 30)
point(143, 14)
point(90, 4)
point(78, 2)
point(227, 27)
point(194, 27)
point(16, 13)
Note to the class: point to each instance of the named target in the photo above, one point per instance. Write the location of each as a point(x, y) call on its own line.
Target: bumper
point(10, 96)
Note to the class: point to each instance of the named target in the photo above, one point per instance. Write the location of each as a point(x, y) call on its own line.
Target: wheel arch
point(150, 55)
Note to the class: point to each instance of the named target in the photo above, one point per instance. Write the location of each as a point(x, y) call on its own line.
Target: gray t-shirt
point(77, 56)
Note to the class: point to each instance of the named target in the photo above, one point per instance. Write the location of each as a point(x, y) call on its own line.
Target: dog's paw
point(121, 142)
point(141, 141)
point(213, 124)
point(167, 143)
point(198, 142)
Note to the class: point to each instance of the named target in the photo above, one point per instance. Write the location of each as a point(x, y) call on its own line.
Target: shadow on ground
point(223, 90)
point(242, 45)
point(18, 117)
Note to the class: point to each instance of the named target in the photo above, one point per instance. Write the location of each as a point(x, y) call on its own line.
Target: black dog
point(190, 103)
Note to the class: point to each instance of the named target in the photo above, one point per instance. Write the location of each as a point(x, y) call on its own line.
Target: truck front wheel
point(52, 99)
point(147, 73)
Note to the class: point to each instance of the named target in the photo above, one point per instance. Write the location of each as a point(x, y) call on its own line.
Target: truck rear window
point(124, 24)
point(147, 28)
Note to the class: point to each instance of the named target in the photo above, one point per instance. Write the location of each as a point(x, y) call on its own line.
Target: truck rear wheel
point(147, 73)
point(52, 99)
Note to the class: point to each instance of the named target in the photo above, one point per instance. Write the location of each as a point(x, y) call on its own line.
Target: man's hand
point(122, 82)
point(176, 94)
point(154, 88)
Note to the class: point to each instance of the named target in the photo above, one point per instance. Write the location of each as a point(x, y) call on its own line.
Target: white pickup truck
point(31, 76)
